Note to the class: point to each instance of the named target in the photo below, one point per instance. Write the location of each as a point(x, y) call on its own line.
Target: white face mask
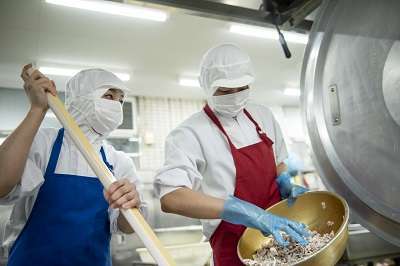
point(106, 117)
point(230, 104)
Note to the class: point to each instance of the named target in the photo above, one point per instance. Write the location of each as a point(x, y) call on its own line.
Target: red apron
point(255, 183)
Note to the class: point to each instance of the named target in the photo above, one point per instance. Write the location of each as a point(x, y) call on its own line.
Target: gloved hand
point(288, 190)
point(294, 164)
point(238, 211)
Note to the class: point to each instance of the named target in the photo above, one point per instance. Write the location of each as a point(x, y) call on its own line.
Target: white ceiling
point(155, 54)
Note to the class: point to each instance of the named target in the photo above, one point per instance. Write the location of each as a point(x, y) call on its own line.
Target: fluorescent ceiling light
point(69, 72)
point(114, 8)
point(292, 92)
point(187, 82)
point(268, 33)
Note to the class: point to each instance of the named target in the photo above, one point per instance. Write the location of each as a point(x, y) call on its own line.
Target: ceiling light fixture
point(292, 92)
point(189, 82)
point(114, 8)
point(268, 33)
point(69, 72)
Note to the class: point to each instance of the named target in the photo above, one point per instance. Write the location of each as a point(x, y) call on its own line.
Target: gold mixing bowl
point(314, 209)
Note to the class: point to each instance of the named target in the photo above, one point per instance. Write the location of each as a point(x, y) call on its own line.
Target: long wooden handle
point(133, 216)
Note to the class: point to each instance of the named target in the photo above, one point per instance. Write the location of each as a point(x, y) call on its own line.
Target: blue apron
point(69, 223)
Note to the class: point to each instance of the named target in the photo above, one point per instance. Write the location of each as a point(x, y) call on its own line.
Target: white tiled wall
point(157, 117)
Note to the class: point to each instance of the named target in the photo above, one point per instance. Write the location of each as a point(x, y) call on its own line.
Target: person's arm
point(15, 149)
point(123, 225)
point(187, 202)
point(176, 186)
point(284, 169)
point(286, 188)
point(123, 194)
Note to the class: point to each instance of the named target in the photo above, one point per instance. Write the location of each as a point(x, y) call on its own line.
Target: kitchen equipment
point(363, 246)
point(194, 254)
point(124, 246)
point(315, 209)
point(351, 104)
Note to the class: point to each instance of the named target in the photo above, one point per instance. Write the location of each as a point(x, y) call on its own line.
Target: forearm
point(123, 224)
point(189, 203)
point(15, 149)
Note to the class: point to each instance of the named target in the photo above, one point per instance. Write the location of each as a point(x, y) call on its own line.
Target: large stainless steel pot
point(351, 102)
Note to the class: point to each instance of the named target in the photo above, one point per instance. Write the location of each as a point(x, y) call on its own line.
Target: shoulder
point(260, 111)
point(117, 157)
point(190, 136)
point(45, 137)
point(122, 163)
point(191, 127)
point(47, 133)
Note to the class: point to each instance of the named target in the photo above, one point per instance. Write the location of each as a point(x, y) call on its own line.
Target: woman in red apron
point(225, 75)
point(256, 184)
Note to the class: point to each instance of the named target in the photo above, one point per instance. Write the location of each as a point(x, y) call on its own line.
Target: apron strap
point(103, 155)
point(259, 130)
point(216, 121)
point(263, 136)
point(55, 153)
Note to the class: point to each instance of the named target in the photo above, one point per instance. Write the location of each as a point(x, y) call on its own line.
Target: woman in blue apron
point(61, 215)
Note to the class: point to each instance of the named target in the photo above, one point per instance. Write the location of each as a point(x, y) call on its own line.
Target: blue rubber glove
point(238, 211)
point(294, 164)
point(288, 190)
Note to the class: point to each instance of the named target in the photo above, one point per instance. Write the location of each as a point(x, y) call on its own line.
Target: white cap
point(225, 65)
point(86, 86)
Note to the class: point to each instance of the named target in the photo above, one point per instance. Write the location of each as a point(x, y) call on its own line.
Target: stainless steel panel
point(391, 82)
point(363, 245)
point(353, 44)
point(334, 104)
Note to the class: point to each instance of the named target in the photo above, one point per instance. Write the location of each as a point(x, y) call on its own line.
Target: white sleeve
point(124, 168)
point(280, 149)
point(35, 167)
point(183, 163)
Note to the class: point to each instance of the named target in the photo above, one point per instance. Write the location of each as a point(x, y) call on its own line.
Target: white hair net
point(86, 86)
point(225, 65)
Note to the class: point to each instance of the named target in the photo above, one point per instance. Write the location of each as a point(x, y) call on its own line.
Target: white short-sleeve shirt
point(70, 161)
point(198, 156)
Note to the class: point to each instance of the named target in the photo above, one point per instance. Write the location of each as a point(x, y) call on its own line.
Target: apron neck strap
point(259, 130)
point(216, 121)
point(55, 153)
point(103, 156)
